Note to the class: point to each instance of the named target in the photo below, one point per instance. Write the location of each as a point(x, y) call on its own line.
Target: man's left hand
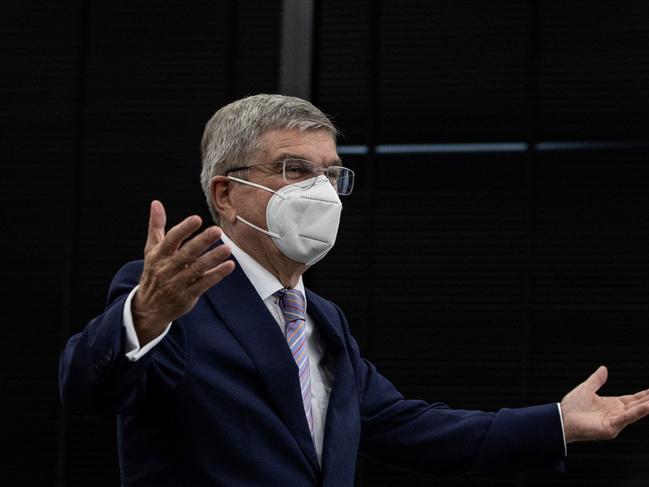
point(588, 416)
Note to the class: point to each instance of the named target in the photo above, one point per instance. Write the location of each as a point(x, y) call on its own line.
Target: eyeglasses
point(295, 171)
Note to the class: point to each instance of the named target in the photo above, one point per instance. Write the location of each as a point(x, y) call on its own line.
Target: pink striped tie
point(293, 306)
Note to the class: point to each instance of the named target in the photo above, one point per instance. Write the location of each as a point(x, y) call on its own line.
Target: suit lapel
point(249, 320)
point(343, 420)
point(322, 320)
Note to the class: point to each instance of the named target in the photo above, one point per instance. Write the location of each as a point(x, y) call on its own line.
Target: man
point(224, 370)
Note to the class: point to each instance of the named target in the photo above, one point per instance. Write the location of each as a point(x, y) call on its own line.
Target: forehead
point(317, 146)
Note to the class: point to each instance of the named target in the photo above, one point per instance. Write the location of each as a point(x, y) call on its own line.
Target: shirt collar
point(264, 282)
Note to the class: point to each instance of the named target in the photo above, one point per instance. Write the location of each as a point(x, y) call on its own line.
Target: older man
point(224, 370)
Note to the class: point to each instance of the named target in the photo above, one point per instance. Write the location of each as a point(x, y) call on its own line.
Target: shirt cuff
point(132, 346)
point(563, 431)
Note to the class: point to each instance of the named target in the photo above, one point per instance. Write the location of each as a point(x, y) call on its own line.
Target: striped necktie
point(293, 306)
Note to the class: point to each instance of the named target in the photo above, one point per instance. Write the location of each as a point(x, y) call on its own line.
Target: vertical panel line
point(370, 198)
point(296, 48)
point(526, 336)
point(231, 51)
point(72, 230)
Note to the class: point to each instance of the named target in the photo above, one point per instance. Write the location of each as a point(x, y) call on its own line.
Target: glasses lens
point(342, 179)
point(297, 170)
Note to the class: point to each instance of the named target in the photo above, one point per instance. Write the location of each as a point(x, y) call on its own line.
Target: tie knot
point(292, 303)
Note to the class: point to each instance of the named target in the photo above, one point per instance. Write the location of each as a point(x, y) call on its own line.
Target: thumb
point(157, 222)
point(597, 379)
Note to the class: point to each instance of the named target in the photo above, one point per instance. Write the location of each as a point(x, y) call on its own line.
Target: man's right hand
point(177, 271)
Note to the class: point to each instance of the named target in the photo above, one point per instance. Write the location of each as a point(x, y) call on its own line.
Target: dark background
point(481, 275)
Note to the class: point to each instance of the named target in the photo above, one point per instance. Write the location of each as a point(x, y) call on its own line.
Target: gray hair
point(232, 136)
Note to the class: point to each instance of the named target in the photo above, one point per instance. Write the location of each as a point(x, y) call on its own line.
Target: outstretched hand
point(588, 416)
point(177, 271)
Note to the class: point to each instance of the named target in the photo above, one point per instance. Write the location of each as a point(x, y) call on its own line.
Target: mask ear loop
point(250, 224)
point(250, 183)
point(270, 234)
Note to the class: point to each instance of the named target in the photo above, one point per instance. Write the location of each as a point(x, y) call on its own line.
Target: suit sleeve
point(95, 374)
point(433, 438)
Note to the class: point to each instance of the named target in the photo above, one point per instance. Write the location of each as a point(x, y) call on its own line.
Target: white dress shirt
point(266, 285)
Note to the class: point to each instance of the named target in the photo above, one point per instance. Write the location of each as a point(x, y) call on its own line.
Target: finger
point(597, 379)
point(206, 262)
point(157, 222)
point(203, 264)
point(211, 277)
point(179, 233)
point(631, 415)
point(635, 402)
point(631, 398)
point(193, 248)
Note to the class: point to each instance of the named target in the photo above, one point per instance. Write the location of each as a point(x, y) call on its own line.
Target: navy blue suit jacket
point(217, 402)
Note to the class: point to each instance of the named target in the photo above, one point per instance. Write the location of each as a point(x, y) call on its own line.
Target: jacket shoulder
point(327, 306)
point(125, 279)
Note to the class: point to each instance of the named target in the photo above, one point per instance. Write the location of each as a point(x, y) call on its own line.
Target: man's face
point(317, 147)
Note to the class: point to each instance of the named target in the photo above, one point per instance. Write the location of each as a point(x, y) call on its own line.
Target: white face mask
point(302, 218)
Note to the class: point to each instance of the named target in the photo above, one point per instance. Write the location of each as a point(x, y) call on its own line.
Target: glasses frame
point(321, 170)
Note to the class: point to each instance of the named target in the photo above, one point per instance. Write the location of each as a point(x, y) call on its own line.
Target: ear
point(220, 193)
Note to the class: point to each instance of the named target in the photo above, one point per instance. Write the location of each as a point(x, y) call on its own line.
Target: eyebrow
point(290, 155)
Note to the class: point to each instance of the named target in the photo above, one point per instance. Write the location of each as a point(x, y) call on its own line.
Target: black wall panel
point(593, 69)
point(452, 71)
point(255, 50)
point(38, 134)
point(342, 63)
point(450, 287)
